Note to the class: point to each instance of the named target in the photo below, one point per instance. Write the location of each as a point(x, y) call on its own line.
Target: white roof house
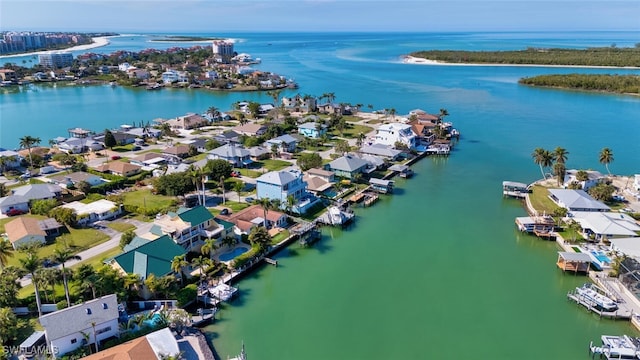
point(97, 317)
point(607, 224)
point(628, 246)
point(576, 200)
point(593, 178)
point(102, 209)
point(390, 134)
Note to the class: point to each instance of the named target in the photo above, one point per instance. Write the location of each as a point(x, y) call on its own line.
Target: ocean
point(436, 270)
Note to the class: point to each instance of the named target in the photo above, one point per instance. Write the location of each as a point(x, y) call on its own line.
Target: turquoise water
point(233, 254)
point(438, 269)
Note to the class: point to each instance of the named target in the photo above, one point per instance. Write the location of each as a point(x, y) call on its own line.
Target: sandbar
point(408, 59)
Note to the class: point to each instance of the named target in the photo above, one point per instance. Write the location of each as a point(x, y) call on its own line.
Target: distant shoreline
point(96, 43)
point(408, 59)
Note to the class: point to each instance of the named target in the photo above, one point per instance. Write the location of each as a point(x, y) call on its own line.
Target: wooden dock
point(271, 261)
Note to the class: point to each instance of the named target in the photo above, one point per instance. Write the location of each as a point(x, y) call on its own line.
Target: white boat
point(223, 292)
point(590, 295)
point(617, 347)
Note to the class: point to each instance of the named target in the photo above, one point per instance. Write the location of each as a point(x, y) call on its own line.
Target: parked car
point(115, 157)
point(14, 212)
point(249, 199)
point(235, 173)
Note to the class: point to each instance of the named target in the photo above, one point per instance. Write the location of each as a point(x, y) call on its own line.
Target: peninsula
point(590, 57)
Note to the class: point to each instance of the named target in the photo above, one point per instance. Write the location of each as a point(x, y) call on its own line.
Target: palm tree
point(559, 170)
point(291, 200)
point(213, 112)
point(26, 142)
point(201, 262)
point(209, 247)
point(31, 263)
point(443, 113)
point(238, 186)
point(61, 255)
point(276, 204)
point(360, 139)
point(560, 155)
point(606, 157)
point(177, 264)
point(543, 158)
point(266, 206)
point(197, 176)
point(6, 251)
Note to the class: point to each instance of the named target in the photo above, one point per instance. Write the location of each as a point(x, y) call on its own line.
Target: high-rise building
point(56, 60)
point(223, 48)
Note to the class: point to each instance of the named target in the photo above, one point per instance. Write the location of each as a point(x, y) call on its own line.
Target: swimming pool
point(230, 255)
point(601, 256)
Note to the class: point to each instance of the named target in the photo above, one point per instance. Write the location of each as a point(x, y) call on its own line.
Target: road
point(114, 241)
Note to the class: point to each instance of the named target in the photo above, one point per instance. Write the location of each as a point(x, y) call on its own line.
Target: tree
point(43, 207)
point(266, 206)
point(217, 169)
point(211, 144)
point(8, 326)
point(3, 190)
point(109, 139)
point(176, 184)
point(342, 147)
point(291, 201)
point(341, 125)
point(197, 177)
point(606, 157)
point(27, 142)
point(64, 215)
point(6, 251)
point(360, 139)
point(259, 236)
point(308, 161)
point(31, 263)
point(542, 158)
point(213, 112)
point(177, 264)
point(560, 155)
point(559, 171)
point(254, 109)
point(201, 262)
point(83, 186)
point(602, 191)
point(442, 115)
point(126, 238)
point(238, 186)
point(209, 247)
point(62, 255)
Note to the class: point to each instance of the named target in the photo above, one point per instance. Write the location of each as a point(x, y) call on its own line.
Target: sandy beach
point(97, 42)
point(421, 61)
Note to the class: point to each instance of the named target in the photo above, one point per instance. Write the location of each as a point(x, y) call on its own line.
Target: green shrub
point(187, 295)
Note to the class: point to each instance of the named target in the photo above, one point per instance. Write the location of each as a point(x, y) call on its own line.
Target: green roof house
point(153, 257)
point(188, 227)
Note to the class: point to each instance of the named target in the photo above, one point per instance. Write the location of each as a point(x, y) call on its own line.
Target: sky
point(211, 16)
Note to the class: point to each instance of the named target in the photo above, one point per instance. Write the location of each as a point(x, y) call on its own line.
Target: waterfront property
point(573, 261)
point(281, 185)
point(98, 318)
point(244, 220)
point(152, 257)
point(159, 344)
point(392, 133)
point(514, 189)
point(381, 185)
point(601, 226)
point(541, 226)
point(593, 178)
point(188, 227)
point(576, 200)
point(349, 166)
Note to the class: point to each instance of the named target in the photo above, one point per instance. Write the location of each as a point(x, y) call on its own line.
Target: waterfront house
point(573, 261)
point(24, 230)
point(600, 226)
point(280, 185)
point(8, 75)
point(121, 137)
point(119, 168)
point(384, 151)
point(151, 257)
point(188, 227)
point(65, 329)
point(235, 154)
point(593, 178)
point(284, 143)
point(312, 130)
point(71, 180)
point(348, 166)
point(246, 219)
point(338, 109)
point(390, 134)
point(299, 103)
point(173, 76)
point(251, 129)
point(317, 185)
point(77, 145)
point(158, 345)
point(328, 176)
point(9, 159)
point(98, 210)
point(188, 122)
point(576, 200)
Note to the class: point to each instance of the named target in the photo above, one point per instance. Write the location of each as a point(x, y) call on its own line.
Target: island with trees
point(621, 84)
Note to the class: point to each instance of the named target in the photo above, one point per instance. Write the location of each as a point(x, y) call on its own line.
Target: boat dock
point(204, 317)
point(271, 261)
point(514, 189)
point(623, 311)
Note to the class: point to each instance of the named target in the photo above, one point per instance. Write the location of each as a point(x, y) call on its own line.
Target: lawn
point(352, 130)
point(123, 148)
point(250, 173)
point(76, 239)
point(235, 206)
point(539, 198)
point(274, 165)
point(120, 226)
point(281, 236)
point(146, 200)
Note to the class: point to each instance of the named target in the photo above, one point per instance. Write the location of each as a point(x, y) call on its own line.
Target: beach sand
point(97, 42)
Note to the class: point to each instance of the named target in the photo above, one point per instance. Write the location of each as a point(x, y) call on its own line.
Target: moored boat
point(590, 295)
point(617, 347)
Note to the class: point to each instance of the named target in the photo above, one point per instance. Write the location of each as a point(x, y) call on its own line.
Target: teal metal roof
point(135, 243)
point(225, 224)
point(153, 257)
point(196, 215)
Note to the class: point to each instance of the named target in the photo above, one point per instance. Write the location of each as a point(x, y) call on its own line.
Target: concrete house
point(150, 257)
point(348, 166)
point(280, 185)
point(606, 225)
point(593, 178)
point(390, 134)
point(99, 210)
point(284, 143)
point(188, 227)
point(576, 200)
point(21, 196)
point(312, 130)
point(11, 159)
point(64, 328)
point(119, 168)
point(188, 122)
point(70, 180)
point(246, 219)
point(251, 129)
point(235, 154)
point(26, 230)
